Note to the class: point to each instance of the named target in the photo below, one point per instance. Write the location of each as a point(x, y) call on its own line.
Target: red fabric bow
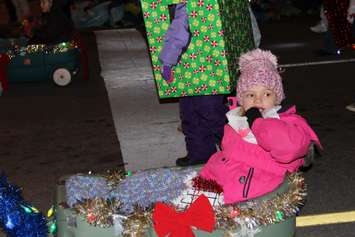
point(167, 221)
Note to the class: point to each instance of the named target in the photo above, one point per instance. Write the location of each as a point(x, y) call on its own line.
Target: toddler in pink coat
point(263, 140)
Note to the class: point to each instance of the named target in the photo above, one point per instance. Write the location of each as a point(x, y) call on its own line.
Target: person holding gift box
point(202, 117)
point(264, 140)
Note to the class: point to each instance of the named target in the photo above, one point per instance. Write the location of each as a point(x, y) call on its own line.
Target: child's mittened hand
point(167, 74)
point(252, 114)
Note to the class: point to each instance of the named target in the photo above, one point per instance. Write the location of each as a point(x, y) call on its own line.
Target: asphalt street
point(47, 132)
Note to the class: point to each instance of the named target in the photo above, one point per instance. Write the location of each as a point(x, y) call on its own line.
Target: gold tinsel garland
point(114, 177)
point(41, 48)
point(98, 211)
point(254, 213)
point(138, 223)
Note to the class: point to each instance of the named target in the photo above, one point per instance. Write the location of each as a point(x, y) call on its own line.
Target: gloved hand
point(167, 74)
point(252, 114)
point(351, 12)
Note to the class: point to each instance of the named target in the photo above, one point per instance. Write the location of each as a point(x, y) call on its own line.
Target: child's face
point(260, 97)
point(45, 6)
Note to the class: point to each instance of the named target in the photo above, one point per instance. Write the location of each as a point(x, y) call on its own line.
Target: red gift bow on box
point(167, 221)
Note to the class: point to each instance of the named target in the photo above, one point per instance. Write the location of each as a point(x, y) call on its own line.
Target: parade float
point(60, 63)
point(170, 202)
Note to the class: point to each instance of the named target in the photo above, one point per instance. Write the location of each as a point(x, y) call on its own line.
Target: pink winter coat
point(246, 170)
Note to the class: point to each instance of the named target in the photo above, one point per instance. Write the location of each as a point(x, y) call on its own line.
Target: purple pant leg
point(203, 119)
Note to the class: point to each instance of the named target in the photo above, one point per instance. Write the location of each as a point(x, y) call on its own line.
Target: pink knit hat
point(259, 67)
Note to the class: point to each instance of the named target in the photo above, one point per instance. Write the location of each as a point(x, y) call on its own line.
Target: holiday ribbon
point(167, 221)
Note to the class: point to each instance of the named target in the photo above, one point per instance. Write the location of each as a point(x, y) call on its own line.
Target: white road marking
point(317, 63)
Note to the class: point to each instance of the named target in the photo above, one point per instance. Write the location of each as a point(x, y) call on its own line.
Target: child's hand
point(252, 114)
point(167, 74)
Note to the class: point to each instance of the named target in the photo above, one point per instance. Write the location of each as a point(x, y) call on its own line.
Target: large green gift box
point(220, 32)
